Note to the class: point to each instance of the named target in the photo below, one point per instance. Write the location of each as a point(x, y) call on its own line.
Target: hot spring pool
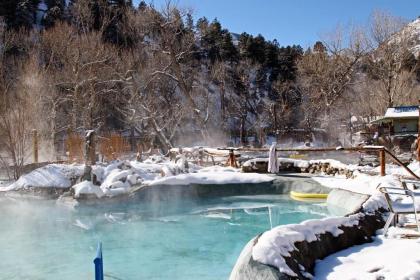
point(40, 239)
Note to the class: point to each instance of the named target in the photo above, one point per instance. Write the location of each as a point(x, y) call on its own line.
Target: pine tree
point(319, 47)
point(202, 25)
point(228, 51)
point(212, 39)
point(55, 12)
point(19, 13)
point(142, 6)
point(117, 29)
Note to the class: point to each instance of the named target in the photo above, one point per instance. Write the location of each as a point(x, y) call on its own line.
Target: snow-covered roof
point(402, 112)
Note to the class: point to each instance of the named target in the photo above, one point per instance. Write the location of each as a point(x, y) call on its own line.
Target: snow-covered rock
point(99, 172)
point(114, 176)
point(132, 178)
point(87, 188)
point(49, 176)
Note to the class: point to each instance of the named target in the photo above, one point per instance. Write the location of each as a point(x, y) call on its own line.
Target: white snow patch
point(218, 168)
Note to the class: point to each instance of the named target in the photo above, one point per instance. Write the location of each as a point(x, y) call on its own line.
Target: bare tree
point(15, 110)
point(173, 54)
point(80, 69)
point(392, 79)
point(327, 72)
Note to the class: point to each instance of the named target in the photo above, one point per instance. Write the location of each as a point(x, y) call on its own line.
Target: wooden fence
point(110, 147)
point(382, 152)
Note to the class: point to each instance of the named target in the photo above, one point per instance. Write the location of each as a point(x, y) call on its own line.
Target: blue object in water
point(99, 263)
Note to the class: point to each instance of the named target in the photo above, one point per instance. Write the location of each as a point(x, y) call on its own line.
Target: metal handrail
point(387, 191)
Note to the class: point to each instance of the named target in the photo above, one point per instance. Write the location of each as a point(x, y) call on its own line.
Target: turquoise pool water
point(40, 239)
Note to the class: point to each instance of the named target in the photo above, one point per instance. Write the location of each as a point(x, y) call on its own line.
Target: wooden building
point(399, 121)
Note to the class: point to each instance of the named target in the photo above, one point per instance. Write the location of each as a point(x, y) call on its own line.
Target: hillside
point(114, 67)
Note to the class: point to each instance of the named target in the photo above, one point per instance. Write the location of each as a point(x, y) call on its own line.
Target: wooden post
point(139, 152)
point(200, 156)
point(35, 145)
point(90, 155)
point(382, 161)
point(232, 159)
point(418, 136)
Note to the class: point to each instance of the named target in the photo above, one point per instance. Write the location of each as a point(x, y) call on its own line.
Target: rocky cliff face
point(413, 30)
point(411, 34)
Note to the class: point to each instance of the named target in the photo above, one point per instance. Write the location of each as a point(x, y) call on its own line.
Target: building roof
point(401, 112)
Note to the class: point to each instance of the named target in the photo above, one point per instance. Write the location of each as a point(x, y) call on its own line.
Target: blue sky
point(293, 21)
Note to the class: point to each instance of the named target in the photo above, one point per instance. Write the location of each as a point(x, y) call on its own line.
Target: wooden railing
point(381, 150)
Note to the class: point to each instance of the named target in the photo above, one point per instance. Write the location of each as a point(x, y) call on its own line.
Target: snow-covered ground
point(385, 258)
point(388, 257)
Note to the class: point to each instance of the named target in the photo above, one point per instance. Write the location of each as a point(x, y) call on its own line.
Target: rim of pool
point(180, 239)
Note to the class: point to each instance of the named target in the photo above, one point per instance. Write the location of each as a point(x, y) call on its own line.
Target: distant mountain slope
point(411, 33)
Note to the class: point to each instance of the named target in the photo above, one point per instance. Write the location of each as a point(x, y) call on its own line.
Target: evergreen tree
point(55, 12)
point(319, 47)
point(189, 22)
point(228, 50)
point(19, 13)
point(212, 39)
point(202, 25)
point(142, 6)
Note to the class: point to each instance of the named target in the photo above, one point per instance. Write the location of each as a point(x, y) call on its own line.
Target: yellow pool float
point(308, 196)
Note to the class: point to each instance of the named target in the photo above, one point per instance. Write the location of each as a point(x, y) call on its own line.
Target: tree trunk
point(222, 106)
point(243, 131)
point(162, 137)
